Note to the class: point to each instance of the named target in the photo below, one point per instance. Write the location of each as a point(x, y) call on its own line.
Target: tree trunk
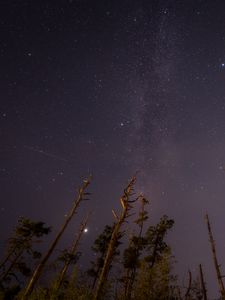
point(132, 276)
point(114, 238)
point(37, 273)
point(217, 267)
point(73, 251)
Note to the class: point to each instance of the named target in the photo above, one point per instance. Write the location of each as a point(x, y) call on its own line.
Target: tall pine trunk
point(72, 251)
point(125, 202)
point(217, 267)
point(37, 273)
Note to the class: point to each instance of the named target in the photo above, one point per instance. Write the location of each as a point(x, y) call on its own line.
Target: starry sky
point(111, 88)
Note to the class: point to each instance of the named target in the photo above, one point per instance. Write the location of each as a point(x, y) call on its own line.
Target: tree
point(132, 253)
point(155, 240)
point(100, 249)
point(215, 260)
point(37, 273)
point(116, 234)
point(193, 289)
point(20, 248)
point(145, 251)
point(156, 282)
point(22, 243)
point(71, 256)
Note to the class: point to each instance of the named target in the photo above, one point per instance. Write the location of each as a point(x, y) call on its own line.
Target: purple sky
point(109, 88)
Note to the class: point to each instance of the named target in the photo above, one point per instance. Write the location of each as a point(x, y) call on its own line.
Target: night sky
point(111, 88)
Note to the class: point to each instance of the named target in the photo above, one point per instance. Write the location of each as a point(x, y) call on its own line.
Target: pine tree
point(155, 240)
point(20, 249)
point(156, 282)
point(22, 243)
point(100, 249)
point(154, 279)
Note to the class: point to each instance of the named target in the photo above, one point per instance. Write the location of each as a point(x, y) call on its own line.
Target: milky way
point(110, 89)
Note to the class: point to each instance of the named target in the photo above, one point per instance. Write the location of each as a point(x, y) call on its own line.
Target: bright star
point(223, 65)
point(85, 230)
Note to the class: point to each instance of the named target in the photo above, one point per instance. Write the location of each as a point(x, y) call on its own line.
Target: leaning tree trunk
point(217, 267)
point(37, 273)
point(72, 251)
point(125, 202)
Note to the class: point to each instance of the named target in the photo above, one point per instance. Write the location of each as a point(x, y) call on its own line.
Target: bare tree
point(134, 249)
point(37, 273)
point(217, 267)
point(73, 251)
point(126, 206)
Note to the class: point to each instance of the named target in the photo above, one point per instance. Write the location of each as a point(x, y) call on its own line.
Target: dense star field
point(110, 88)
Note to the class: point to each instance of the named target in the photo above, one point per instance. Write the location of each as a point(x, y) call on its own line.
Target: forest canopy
point(133, 259)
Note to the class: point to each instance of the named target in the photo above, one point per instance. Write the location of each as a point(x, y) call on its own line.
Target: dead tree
point(217, 267)
point(73, 251)
point(120, 219)
point(37, 273)
point(131, 274)
point(203, 288)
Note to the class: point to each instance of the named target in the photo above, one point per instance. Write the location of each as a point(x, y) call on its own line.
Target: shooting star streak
point(45, 153)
